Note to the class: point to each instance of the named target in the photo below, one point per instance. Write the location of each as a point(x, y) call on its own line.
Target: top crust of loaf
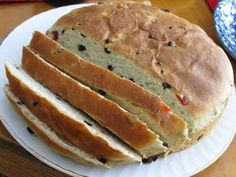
point(171, 48)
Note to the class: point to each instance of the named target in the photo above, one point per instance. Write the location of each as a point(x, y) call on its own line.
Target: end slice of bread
point(67, 122)
point(50, 137)
point(107, 113)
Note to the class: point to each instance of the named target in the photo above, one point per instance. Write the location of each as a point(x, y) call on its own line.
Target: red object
point(20, 0)
point(212, 3)
point(55, 35)
point(183, 100)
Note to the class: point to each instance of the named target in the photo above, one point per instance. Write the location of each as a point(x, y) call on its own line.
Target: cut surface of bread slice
point(48, 136)
point(159, 51)
point(68, 123)
point(148, 107)
point(107, 113)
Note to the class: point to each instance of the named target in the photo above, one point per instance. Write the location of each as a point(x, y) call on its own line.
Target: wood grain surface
point(17, 162)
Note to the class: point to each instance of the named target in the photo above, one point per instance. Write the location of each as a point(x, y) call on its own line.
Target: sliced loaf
point(147, 106)
point(107, 113)
point(68, 123)
point(159, 51)
point(50, 137)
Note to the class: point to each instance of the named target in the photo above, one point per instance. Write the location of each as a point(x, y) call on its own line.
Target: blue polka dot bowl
point(225, 25)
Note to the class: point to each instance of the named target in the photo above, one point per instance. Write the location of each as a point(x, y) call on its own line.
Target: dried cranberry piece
point(183, 100)
point(55, 35)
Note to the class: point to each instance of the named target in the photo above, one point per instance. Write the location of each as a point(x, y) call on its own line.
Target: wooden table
point(17, 162)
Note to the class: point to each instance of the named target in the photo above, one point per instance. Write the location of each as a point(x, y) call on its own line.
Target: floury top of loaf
point(157, 50)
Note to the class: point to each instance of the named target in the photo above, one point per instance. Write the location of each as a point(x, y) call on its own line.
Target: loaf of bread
point(148, 107)
point(68, 123)
point(133, 80)
point(164, 54)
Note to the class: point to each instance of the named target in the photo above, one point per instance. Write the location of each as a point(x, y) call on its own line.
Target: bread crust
point(196, 136)
point(173, 49)
point(107, 113)
point(103, 79)
point(65, 127)
point(48, 140)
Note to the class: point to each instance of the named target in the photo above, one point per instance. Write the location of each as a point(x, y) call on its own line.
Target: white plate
point(185, 163)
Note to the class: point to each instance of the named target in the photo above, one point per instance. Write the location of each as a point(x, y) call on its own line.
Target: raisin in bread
point(69, 124)
point(164, 54)
point(148, 107)
point(107, 113)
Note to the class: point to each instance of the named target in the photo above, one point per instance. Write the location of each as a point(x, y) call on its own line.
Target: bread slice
point(159, 51)
point(107, 113)
point(148, 107)
point(68, 123)
point(50, 137)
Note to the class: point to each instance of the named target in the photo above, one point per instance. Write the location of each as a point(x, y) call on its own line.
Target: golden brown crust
point(190, 61)
point(93, 75)
point(45, 138)
point(66, 128)
point(106, 112)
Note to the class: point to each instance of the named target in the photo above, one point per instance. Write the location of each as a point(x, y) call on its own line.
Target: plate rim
point(58, 167)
